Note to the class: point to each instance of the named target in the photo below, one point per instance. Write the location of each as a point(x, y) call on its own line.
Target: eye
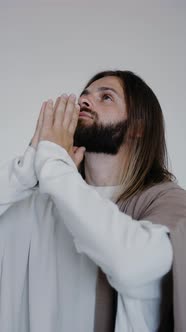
point(106, 96)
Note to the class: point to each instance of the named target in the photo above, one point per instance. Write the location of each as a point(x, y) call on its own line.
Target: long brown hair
point(147, 162)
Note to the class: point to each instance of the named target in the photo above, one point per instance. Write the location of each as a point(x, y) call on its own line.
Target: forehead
point(110, 82)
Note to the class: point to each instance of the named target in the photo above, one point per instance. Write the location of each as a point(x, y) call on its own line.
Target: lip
point(85, 114)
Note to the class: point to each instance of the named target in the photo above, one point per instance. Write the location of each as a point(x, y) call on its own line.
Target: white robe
point(52, 239)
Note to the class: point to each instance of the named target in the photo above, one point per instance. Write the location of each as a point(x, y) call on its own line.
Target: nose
point(84, 101)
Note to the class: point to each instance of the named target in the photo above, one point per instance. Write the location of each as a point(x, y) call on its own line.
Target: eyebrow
point(102, 88)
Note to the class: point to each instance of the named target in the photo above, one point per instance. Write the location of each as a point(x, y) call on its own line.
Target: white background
point(51, 47)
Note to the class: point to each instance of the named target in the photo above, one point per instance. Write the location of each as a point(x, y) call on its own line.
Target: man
point(71, 260)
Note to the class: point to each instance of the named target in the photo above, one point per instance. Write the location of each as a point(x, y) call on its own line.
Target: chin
point(84, 123)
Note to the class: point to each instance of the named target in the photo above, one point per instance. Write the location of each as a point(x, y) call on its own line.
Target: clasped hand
point(57, 123)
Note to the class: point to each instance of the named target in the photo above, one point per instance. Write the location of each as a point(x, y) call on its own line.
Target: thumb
point(78, 155)
point(35, 139)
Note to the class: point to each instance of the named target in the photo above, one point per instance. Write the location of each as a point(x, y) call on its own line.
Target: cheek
point(108, 118)
point(116, 115)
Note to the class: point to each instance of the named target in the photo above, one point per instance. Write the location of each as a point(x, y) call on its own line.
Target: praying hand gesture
point(57, 123)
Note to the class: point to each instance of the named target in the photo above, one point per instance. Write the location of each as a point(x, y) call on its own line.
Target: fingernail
point(64, 95)
point(50, 101)
point(73, 96)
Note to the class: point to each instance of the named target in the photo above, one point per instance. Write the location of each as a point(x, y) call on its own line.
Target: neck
point(102, 169)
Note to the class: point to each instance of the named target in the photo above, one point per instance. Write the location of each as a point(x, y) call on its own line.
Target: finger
point(79, 155)
point(59, 110)
point(74, 120)
point(56, 103)
point(48, 115)
point(35, 139)
point(69, 111)
point(40, 119)
point(75, 148)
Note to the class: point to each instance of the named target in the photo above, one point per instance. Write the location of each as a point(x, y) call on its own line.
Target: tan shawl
point(165, 204)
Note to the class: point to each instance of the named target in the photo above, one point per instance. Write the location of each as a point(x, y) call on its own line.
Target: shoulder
point(167, 192)
point(163, 203)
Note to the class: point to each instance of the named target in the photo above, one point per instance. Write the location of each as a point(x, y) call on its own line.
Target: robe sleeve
point(132, 253)
point(17, 179)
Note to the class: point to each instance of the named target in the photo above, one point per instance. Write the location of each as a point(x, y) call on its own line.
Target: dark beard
point(101, 138)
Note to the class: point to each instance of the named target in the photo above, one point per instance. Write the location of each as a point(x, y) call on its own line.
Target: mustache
point(87, 110)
